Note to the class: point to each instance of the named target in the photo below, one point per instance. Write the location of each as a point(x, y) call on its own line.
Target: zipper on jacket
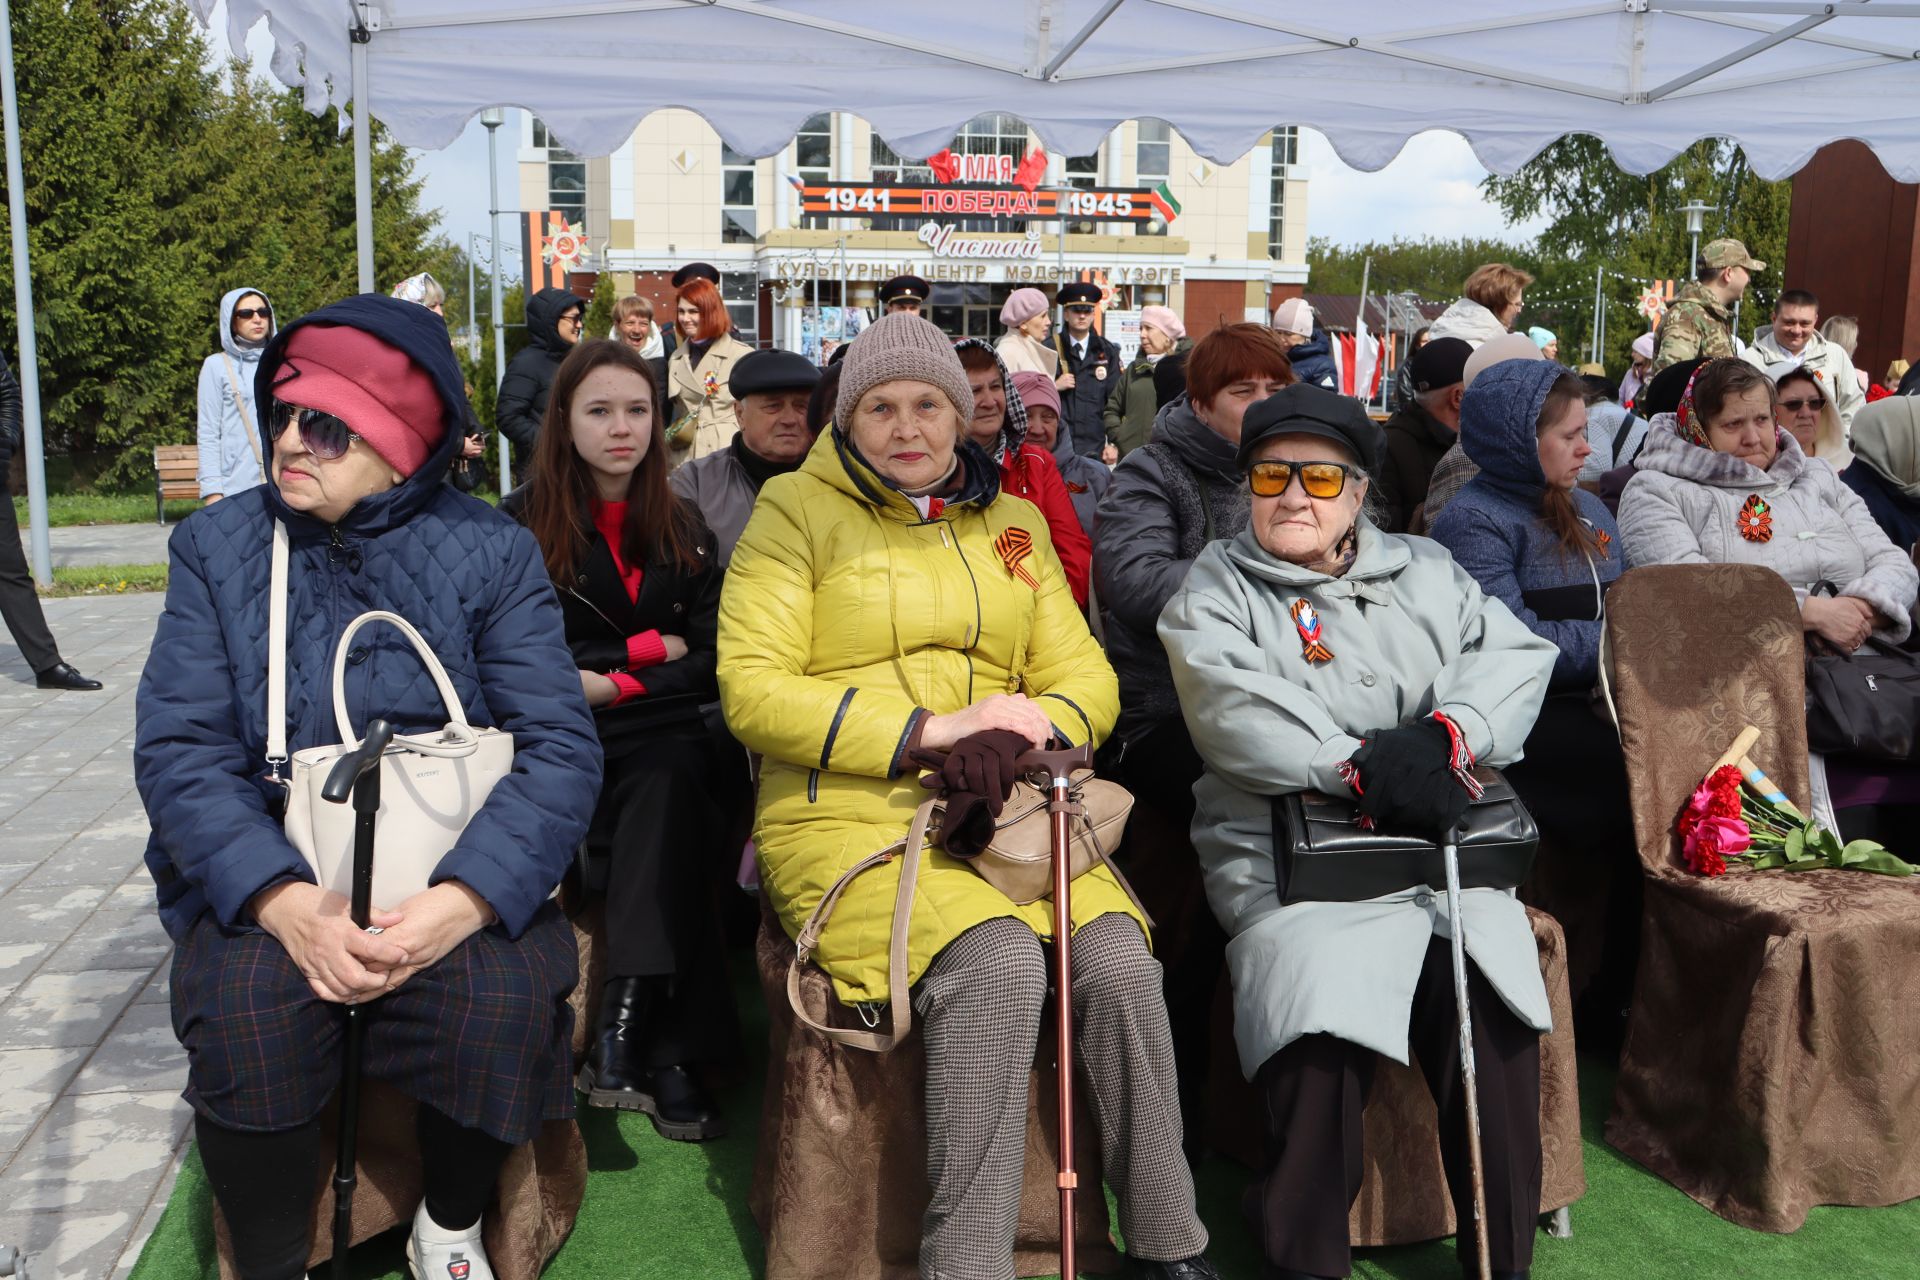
point(974, 638)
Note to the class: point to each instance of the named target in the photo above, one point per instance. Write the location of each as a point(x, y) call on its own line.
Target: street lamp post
point(493, 118)
point(32, 443)
point(1696, 220)
point(473, 331)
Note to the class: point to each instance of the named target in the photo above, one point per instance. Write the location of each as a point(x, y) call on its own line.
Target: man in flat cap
point(1700, 321)
point(1090, 368)
point(904, 293)
point(770, 393)
point(1421, 431)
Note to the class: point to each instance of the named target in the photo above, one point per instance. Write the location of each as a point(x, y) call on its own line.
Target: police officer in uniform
point(904, 293)
point(1090, 368)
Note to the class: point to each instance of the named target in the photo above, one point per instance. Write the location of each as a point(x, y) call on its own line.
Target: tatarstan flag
point(1163, 201)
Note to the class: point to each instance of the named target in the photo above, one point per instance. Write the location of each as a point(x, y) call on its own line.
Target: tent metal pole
point(34, 442)
point(362, 151)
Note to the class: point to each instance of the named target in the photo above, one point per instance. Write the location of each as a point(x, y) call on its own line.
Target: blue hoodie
point(469, 578)
point(229, 463)
point(1494, 530)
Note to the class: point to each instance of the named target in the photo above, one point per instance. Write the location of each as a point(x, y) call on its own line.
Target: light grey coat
point(724, 492)
point(1681, 508)
point(1411, 633)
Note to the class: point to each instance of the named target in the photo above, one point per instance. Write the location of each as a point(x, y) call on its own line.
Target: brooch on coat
point(1013, 547)
point(1307, 621)
point(1755, 519)
point(712, 384)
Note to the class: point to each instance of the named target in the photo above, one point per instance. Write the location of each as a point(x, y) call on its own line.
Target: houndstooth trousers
point(980, 1004)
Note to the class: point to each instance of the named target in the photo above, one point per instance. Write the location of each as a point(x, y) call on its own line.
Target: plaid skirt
point(483, 1036)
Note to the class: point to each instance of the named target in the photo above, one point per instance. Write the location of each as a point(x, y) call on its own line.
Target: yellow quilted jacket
point(843, 613)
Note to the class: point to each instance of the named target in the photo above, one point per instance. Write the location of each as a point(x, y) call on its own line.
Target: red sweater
point(645, 649)
point(1032, 474)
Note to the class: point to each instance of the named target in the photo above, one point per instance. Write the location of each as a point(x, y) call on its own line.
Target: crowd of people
point(735, 585)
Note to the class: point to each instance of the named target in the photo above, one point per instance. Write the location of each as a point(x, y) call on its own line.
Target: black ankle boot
point(616, 1074)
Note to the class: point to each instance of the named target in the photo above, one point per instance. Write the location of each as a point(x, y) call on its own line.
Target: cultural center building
point(800, 235)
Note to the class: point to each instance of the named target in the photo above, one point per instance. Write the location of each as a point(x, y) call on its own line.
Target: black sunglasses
point(1320, 479)
point(252, 313)
point(1815, 403)
point(325, 436)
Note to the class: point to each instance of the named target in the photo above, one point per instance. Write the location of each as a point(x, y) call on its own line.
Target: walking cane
point(1450, 853)
point(1058, 768)
point(356, 775)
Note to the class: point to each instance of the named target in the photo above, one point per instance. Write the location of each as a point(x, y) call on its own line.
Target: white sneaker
point(435, 1253)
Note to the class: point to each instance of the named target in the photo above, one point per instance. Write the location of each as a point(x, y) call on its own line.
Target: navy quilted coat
point(468, 577)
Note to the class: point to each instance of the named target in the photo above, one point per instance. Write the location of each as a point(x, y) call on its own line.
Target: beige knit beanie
point(895, 347)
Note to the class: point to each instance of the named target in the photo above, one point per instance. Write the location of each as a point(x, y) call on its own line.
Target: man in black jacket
point(1090, 368)
point(553, 327)
point(1422, 430)
point(18, 603)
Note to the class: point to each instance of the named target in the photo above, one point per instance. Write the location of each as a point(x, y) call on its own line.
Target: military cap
point(904, 289)
point(769, 370)
point(1730, 253)
point(696, 271)
point(1079, 294)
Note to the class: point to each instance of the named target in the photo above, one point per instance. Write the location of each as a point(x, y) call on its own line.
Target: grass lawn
point(65, 509)
point(105, 580)
point(659, 1210)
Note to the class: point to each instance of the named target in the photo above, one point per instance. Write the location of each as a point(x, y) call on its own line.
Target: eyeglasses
point(325, 436)
point(1816, 403)
point(252, 313)
point(1319, 479)
point(572, 318)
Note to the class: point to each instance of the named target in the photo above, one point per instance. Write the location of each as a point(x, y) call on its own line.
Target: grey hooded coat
point(1411, 633)
point(227, 433)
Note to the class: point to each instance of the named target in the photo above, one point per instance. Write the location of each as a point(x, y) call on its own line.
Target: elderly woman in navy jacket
point(468, 980)
point(1549, 551)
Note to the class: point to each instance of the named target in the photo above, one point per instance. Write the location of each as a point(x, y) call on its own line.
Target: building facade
point(675, 193)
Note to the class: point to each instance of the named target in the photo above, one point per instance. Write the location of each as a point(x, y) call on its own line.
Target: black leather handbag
point(1864, 704)
point(1323, 854)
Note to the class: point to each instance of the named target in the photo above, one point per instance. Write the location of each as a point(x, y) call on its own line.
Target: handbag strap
point(277, 654)
point(461, 731)
point(911, 850)
point(246, 414)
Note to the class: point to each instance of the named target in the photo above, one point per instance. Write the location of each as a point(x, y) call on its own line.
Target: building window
point(813, 149)
point(1286, 152)
point(889, 167)
point(566, 175)
point(740, 290)
point(739, 221)
point(1153, 165)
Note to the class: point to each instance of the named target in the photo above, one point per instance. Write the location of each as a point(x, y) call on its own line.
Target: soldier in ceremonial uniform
point(1699, 324)
point(1090, 367)
point(904, 293)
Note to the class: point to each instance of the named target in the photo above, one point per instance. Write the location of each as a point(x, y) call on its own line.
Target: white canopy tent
point(1648, 77)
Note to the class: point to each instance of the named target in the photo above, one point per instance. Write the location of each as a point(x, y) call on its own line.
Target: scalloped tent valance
point(1647, 77)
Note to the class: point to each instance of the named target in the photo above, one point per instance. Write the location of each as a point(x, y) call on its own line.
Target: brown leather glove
point(976, 777)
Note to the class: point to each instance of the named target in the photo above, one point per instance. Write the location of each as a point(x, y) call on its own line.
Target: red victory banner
point(1137, 205)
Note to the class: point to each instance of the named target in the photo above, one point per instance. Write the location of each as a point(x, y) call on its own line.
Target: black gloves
point(1406, 779)
point(977, 777)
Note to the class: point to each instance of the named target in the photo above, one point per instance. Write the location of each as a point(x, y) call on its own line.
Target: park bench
point(176, 475)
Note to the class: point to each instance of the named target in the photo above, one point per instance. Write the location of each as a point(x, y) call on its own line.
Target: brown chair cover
point(840, 1179)
point(538, 1199)
point(1404, 1196)
point(1773, 1054)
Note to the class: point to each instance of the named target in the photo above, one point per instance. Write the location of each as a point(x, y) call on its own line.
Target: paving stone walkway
point(102, 544)
point(91, 1122)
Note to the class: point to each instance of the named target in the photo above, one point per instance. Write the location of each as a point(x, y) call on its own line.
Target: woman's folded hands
point(1405, 778)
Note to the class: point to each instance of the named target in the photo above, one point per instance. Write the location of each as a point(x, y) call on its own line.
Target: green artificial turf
point(659, 1210)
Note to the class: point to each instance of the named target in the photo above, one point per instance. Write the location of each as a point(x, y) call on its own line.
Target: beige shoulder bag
point(1018, 861)
point(246, 414)
point(431, 784)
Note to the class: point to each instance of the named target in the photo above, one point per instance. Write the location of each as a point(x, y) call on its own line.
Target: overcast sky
point(1431, 189)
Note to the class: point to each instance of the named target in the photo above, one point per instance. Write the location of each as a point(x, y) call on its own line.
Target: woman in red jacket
point(999, 425)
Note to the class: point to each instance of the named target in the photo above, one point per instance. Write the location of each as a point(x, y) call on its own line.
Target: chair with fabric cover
point(538, 1198)
point(840, 1178)
point(1772, 1056)
point(1403, 1197)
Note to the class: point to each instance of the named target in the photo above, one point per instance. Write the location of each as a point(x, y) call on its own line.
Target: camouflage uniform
point(1695, 325)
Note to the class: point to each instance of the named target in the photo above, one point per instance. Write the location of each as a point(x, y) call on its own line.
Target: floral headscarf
point(418, 289)
point(1687, 424)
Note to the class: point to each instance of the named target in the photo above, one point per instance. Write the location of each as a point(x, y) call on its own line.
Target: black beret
point(696, 271)
point(1303, 409)
point(1441, 363)
point(761, 371)
point(1079, 294)
point(905, 289)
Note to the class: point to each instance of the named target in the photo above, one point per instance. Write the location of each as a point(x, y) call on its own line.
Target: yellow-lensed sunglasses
point(1320, 479)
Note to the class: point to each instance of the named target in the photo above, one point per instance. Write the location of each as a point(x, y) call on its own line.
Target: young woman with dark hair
point(700, 419)
point(1549, 551)
point(639, 587)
